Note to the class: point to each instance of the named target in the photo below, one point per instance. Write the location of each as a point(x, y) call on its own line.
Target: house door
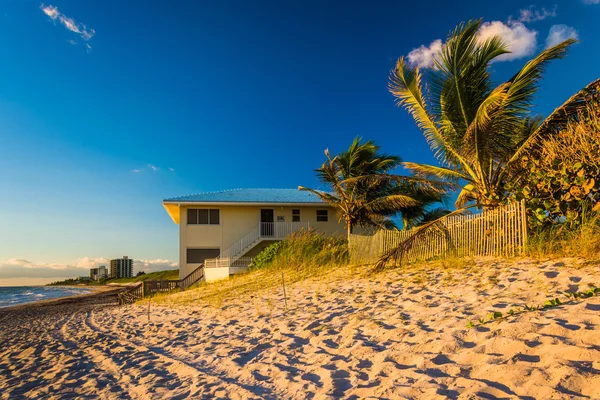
point(267, 225)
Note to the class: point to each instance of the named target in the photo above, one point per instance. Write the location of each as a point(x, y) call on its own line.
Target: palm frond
point(433, 173)
point(421, 234)
point(392, 202)
point(466, 194)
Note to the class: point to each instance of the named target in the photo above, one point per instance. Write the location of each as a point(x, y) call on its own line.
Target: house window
point(322, 216)
point(197, 256)
point(296, 215)
point(203, 216)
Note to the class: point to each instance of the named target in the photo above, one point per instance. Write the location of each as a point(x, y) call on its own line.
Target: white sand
point(401, 334)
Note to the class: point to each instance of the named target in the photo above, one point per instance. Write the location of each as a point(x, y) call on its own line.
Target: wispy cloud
point(150, 168)
point(533, 14)
point(50, 11)
point(70, 24)
point(560, 33)
point(591, 1)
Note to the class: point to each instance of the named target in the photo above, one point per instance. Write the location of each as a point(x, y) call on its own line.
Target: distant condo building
point(99, 273)
point(121, 268)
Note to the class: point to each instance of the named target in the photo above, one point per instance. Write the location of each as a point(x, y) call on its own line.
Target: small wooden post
point(149, 301)
point(284, 294)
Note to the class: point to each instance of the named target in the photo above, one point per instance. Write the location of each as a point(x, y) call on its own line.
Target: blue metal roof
point(250, 196)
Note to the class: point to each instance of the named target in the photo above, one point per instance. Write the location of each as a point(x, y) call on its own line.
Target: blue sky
point(212, 95)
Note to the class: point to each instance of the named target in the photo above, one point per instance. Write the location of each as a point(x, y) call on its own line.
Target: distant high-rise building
point(99, 273)
point(121, 268)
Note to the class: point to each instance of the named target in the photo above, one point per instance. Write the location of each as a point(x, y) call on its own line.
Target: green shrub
point(562, 178)
point(265, 257)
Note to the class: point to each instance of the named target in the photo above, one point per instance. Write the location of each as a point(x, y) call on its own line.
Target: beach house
point(224, 230)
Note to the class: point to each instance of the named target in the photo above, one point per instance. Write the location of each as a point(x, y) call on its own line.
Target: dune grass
point(560, 240)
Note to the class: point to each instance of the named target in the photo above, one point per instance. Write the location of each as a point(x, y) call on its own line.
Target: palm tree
point(359, 196)
point(477, 131)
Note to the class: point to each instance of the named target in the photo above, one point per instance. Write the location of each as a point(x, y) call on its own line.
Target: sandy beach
point(399, 334)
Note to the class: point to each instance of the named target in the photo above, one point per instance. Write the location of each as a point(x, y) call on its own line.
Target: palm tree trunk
point(349, 227)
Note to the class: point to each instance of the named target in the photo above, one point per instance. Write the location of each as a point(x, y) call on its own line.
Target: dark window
point(203, 216)
point(322, 216)
point(295, 215)
point(197, 256)
point(214, 217)
point(192, 216)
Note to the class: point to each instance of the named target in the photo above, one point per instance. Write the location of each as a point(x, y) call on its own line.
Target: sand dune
point(400, 334)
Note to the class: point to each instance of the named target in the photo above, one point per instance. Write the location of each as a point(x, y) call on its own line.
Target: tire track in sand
point(72, 342)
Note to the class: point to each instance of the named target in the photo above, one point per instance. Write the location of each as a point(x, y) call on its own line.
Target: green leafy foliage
point(560, 181)
point(265, 257)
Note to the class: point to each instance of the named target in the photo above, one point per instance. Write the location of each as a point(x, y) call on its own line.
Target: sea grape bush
point(562, 180)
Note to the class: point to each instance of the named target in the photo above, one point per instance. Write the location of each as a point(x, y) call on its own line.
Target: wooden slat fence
point(131, 295)
point(497, 232)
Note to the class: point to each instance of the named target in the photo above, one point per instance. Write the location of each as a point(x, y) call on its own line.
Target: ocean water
point(14, 295)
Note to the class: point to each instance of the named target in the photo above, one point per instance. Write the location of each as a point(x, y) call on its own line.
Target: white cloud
point(560, 33)
point(50, 11)
point(152, 167)
point(533, 14)
point(172, 169)
point(80, 29)
point(137, 170)
point(520, 40)
point(424, 56)
point(591, 1)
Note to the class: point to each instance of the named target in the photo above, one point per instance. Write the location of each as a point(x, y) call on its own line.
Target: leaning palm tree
point(360, 198)
point(477, 131)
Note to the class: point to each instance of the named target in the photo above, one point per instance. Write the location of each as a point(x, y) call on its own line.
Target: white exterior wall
point(237, 221)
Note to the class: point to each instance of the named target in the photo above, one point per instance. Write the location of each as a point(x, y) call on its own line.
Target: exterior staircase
point(234, 256)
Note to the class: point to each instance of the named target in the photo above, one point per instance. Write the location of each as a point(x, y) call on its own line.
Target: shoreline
point(73, 299)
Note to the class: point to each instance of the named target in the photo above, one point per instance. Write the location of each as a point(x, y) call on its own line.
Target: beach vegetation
point(483, 135)
point(569, 297)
